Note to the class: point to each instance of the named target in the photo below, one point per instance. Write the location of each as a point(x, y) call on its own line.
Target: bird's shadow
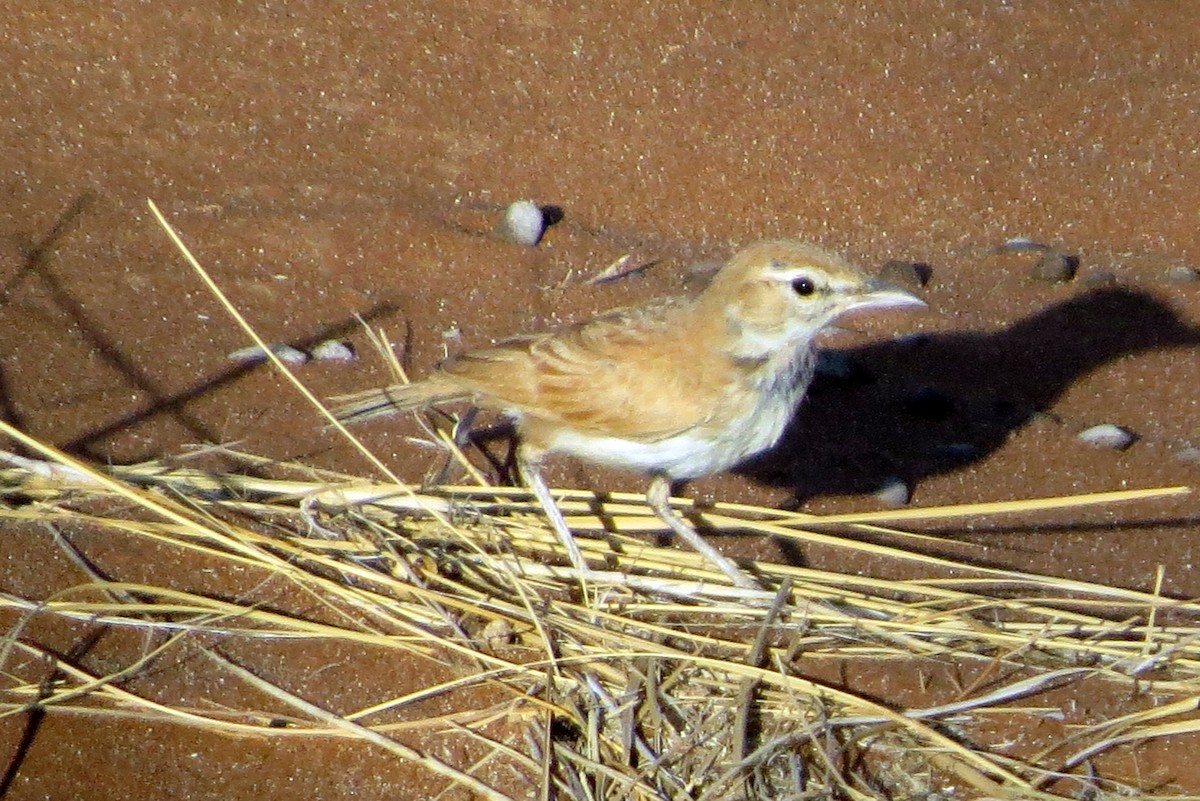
point(920, 406)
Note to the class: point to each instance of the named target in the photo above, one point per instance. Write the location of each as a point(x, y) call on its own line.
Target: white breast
point(703, 451)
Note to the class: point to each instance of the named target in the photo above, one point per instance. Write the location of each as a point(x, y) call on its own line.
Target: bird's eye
point(804, 286)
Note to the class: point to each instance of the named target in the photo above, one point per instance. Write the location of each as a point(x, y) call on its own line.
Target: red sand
point(327, 160)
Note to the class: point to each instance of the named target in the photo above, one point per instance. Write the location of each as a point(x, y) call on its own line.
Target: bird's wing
point(627, 373)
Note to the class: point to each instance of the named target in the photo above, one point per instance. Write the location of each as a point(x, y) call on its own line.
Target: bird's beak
point(881, 295)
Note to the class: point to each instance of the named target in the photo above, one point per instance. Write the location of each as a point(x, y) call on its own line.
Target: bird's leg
point(530, 469)
point(659, 498)
point(460, 438)
point(482, 439)
point(463, 430)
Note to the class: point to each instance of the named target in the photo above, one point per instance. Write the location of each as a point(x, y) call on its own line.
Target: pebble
point(1055, 268)
point(334, 350)
point(894, 492)
point(1047, 420)
point(1188, 455)
point(1182, 274)
point(1021, 244)
point(1107, 435)
point(286, 353)
point(1100, 278)
point(906, 273)
point(524, 223)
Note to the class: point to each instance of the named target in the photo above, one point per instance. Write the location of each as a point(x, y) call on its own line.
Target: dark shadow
point(36, 268)
point(10, 412)
point(176, 404)
point(37, 252)
point(922, 406)
point(551, 214)
point(35, 712)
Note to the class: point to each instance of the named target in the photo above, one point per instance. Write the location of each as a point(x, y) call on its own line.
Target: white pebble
point(1107, 435)
point(894, 492)
point(524, 223)
point(333, 350)
point(1019, 244)
point(286, 353)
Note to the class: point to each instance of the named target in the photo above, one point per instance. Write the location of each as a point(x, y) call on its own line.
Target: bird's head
point(781, 294)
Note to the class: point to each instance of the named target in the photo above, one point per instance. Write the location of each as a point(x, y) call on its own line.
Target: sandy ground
point(328, 161)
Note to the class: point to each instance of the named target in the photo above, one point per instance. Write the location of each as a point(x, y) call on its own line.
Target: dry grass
point(666, 683)
point(661, 681)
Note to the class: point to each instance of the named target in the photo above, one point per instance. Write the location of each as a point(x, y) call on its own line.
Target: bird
point(674, 389)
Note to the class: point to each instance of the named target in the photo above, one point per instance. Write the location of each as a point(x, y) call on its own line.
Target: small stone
point(1107, 435)
point(1182, 274)
point(1055, 268)
point(1021, 244)
point(334, 350)
point(524, 223)
point(286, 353)
point(1100, 278)
point(1188, 455)
point(906, 273)
point(894, 492)
point(1045, 419)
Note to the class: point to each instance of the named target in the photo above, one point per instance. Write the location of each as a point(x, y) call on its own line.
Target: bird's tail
point(396, 398)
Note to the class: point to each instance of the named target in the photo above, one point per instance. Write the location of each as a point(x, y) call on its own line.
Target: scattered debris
point(620, 268)
point(1021, 244)
point(286, 353)
point(334, 350)
point(58, 472)
point(1107, 435)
